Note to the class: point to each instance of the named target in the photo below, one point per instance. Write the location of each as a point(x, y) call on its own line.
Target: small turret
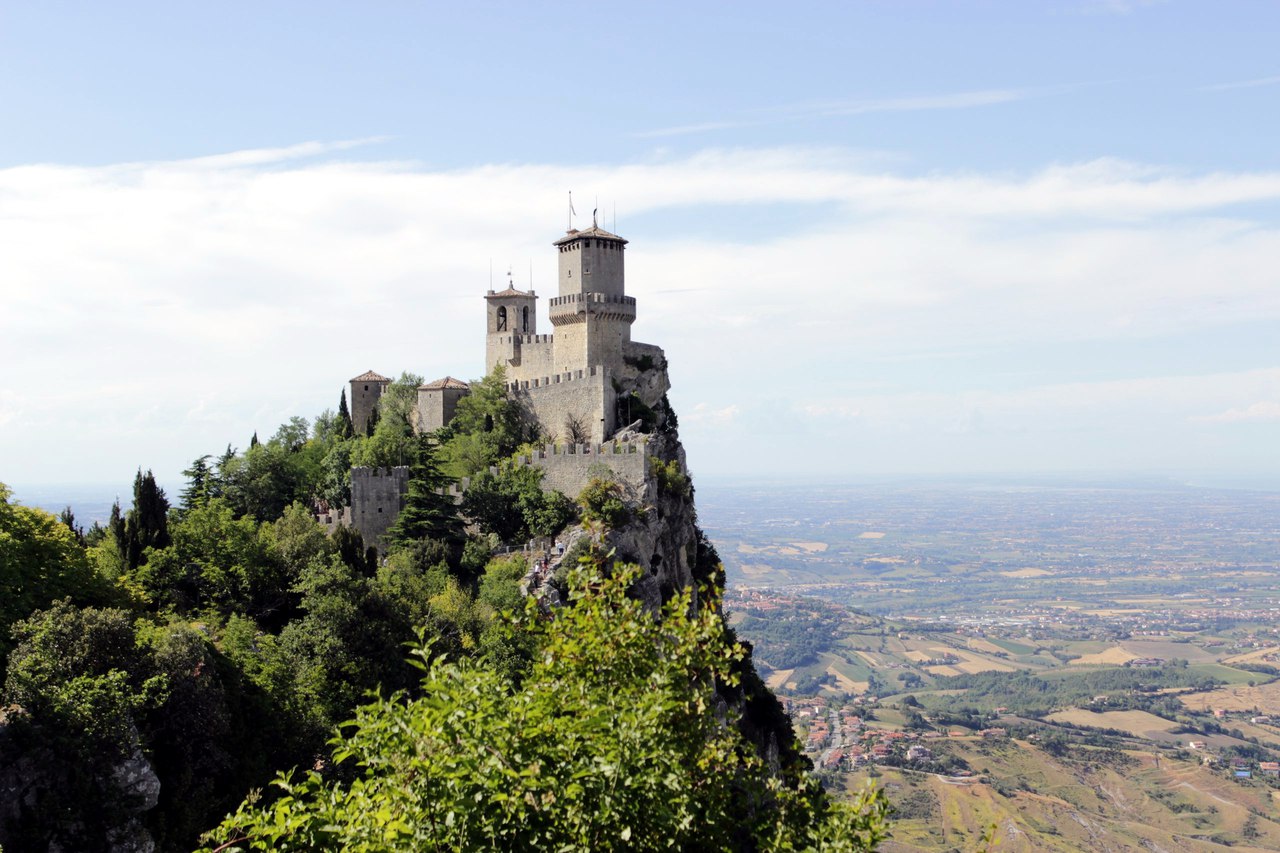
point(366, 391)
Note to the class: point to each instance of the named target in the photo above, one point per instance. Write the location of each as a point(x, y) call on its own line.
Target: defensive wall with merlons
point(568, 468)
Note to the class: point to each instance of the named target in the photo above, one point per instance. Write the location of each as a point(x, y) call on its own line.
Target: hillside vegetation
point(160, 671)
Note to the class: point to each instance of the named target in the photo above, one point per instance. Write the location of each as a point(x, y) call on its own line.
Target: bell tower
point(511, 315)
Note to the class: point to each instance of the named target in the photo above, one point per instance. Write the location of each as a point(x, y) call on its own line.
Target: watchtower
point(438, 401)
point(366, 390)
point(592, 315)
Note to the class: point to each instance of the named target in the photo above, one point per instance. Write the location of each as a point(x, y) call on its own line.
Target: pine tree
point(68, 518)
point(345, 429)
point(199, 484)
point(427, 513)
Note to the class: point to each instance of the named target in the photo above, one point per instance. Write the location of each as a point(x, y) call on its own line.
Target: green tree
point(345, 428)
point(293, 435)
point(146, 525)
point(200, 484)
point(349, 641)
point(427, 513)
point(335, 473)
point(603, 501)
point(263, 481)
point(612, 742)
point(487, 426)
point(399, 401)
point(40, 561)
point(68, 517)
point(220, 562)
point(512, 504)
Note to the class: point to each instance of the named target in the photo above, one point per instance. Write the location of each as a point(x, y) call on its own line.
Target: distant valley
point(1045, 668)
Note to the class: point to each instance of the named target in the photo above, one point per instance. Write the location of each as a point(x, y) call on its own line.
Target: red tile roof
point(448, 382)
point(510, 291)
point(370, 376)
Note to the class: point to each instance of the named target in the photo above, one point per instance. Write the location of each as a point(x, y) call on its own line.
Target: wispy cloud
point(267, 278)
point(804, 111)
point(1118, 7)
point(1241, 84)
point(1263, 410)
point(266, 156)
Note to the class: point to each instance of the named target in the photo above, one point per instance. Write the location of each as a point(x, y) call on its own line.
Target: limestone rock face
point(137, 780)
point(663, 537)
point(32, 776)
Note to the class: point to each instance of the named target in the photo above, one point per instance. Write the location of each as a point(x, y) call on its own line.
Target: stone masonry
point(568, 382)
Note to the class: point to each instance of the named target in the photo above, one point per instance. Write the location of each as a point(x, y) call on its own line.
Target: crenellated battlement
point(524, 339)
point(568, 468)
point(576, 307)
point(560, 378)
point(609, 448)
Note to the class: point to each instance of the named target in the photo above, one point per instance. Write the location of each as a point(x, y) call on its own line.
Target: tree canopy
point(611, 742)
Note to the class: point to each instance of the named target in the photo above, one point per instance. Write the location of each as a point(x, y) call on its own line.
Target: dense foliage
point(158, 669)
point(1029, 693)
point(609, 743)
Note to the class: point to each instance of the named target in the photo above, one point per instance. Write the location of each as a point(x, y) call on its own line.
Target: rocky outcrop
point(661, 534)
point(36, 780)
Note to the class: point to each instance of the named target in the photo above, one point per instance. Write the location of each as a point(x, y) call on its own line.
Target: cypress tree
point(372, 424)
point(147, 524)
point(253, 442)
point(427, 513)
point(345, 429)
point(116, 526)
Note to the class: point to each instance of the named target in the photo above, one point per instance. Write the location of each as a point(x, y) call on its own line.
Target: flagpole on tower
point(571, 210)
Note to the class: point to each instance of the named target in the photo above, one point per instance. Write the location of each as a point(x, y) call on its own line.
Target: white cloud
point(1241, 84)
point(158, 310)
point(712, 418)
point(1263, 410)
point(851, 107)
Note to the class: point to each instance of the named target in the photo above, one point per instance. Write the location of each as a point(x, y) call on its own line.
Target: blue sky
point(873, 237)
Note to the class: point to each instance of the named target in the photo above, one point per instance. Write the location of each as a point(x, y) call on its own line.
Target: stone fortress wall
point(574, 375)
point(584, 395)
point(567, 468)
point(377, 496)
point(523, 356)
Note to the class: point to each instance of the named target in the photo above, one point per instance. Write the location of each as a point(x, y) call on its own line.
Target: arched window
point(502, 318)
point(525, 321)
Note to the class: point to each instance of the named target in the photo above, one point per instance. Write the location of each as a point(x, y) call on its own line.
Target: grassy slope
point(1087, 801)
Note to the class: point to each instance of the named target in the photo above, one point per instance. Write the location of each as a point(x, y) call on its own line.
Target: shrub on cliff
point(614, 741)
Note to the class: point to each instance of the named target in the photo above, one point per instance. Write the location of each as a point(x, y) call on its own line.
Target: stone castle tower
point(565, 379)
point(366, 391)
point(578, 384)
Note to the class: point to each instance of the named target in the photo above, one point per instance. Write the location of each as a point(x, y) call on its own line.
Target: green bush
point(602, 500)
point(670, 479)
point(612, 742)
